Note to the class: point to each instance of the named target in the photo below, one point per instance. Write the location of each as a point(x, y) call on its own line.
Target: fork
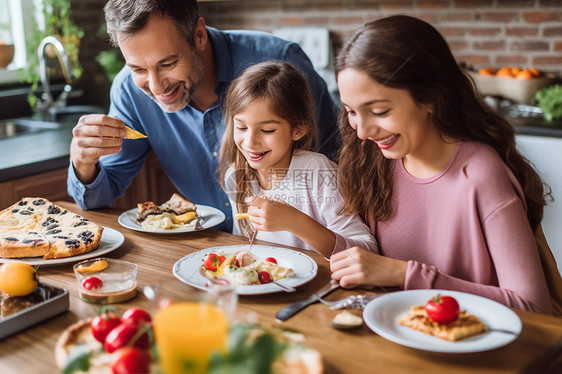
point(198, 226)
point(284, 287)
point(249, 232)
point(350, 302)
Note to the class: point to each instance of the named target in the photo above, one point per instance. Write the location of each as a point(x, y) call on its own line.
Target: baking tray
point(55, 301)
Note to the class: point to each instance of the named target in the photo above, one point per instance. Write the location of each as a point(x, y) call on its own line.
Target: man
point(176, 76)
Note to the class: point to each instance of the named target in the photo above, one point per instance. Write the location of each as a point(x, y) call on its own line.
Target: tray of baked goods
point(21, 312)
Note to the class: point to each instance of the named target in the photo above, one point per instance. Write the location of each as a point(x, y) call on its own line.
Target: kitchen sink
point(72, 113)
point(56, 119)
point(17, 126)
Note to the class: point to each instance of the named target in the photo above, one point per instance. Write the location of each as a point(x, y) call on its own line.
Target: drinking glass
point(189, 324)
point(186, 334)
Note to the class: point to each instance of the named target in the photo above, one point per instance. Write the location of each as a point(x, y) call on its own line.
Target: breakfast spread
point(441, 317)
point(109, 343)
point(244, 268)
point(36, 227)
point(175, 213)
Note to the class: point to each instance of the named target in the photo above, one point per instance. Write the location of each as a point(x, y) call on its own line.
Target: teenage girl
point(434, 171)
point(270, 172)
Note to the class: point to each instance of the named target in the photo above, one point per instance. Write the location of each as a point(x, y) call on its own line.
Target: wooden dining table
point(357, 350)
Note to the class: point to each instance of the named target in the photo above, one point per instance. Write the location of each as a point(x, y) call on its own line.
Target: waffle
point(464, 326)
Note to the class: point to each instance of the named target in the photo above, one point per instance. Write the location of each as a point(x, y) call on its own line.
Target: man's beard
point(189, 86)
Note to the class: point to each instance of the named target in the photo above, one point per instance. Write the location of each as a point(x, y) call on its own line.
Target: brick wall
point(496, 32)
point(480, 33)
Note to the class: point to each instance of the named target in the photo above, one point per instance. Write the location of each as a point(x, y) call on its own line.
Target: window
point(16, 17)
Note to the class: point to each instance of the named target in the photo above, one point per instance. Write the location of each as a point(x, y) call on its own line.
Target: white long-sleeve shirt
point(310, 186)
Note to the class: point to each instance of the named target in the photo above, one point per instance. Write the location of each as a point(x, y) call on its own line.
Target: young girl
point(434, 172)
point(290, 193)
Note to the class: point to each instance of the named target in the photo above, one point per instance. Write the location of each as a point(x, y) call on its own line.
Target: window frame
point(23, 14)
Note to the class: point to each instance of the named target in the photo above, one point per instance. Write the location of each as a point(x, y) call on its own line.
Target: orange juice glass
point(186, 333)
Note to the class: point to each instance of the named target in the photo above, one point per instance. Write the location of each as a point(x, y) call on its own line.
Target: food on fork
point(133, 134)
point(243, 268)
point(175, 213)
point(240, 216)
point(35, 227)
point(462, 326)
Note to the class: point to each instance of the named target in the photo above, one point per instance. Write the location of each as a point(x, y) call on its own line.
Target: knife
point(292, 309)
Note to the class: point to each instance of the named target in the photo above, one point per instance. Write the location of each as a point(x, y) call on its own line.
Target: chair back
point(551, 273)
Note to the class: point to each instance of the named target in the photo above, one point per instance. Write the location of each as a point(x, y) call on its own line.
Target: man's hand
point(94, 136)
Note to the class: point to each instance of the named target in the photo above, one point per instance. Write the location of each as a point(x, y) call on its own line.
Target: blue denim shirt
point(187, 142)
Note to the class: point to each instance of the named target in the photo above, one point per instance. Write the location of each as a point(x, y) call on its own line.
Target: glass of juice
point(186, 334)
point(188, 326)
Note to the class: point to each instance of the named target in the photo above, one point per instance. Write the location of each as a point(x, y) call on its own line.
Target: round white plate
point(111, 239)
point(208, 216)
point(382, 313)
point(305, 268)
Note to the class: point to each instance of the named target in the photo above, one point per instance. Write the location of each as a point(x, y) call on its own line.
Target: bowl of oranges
point(515, 83)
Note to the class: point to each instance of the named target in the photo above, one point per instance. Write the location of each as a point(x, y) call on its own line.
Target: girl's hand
point(358, 267)
point(268, 214)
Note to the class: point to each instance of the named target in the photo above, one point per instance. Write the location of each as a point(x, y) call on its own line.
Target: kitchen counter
point(540, 127)
point(29, 154)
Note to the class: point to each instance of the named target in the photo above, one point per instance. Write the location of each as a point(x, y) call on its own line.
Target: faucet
point(47, 106)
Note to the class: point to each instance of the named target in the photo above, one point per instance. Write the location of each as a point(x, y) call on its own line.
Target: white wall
point(546, 155)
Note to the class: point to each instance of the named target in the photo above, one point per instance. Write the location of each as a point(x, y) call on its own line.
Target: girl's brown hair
point(407, 53)
point(288, 95)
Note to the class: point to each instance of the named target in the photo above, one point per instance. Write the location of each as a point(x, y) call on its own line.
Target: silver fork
point(249, 233)
point(350, 302)
point(284, 287)
point(198, 226)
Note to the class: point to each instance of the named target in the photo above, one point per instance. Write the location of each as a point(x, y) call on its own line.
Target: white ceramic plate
point(111, 239)
point(382, 313)
point(208, 216)
point(305, 268)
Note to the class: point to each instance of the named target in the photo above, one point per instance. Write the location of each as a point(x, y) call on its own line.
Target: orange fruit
point(505, 72)
point(535, 72)
point(524, 74)
point(487, 71)
point(515, 71)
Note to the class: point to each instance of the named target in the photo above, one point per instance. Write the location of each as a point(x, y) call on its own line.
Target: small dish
point(118, 280)
point(346, 321)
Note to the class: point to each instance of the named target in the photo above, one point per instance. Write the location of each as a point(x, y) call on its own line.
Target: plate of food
point(246, 266)
point(479, 324)
point(111, 239)
point(175, 216)
point(36, 231)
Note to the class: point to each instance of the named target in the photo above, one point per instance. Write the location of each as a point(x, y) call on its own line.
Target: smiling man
point(171, 90)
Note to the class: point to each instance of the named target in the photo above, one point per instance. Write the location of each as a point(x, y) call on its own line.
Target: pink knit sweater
point(466, 229)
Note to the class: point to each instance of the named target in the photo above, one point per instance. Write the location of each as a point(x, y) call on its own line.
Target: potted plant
point(58, 23)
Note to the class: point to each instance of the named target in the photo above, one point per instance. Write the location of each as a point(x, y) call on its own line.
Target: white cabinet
point(546, 155)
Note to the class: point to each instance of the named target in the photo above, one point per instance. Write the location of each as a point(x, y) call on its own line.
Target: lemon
point(18, 278)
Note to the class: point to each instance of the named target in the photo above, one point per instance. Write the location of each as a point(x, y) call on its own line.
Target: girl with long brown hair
point(434, 171)
point(270, 130)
